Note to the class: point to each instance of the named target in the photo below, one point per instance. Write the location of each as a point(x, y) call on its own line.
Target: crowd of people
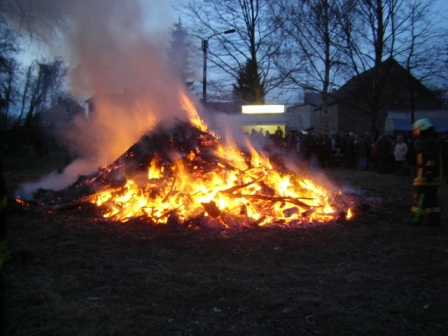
point(385, 154)
point(424, 151)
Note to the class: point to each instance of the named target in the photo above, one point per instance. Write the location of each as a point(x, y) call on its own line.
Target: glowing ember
point(256, 195)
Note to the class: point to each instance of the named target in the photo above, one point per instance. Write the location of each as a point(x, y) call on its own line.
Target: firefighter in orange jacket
point(429, 175)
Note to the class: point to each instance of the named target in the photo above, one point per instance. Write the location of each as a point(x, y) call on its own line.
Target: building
point(362, 104)
point(304, 113)
point(400, 121)
point(261, 118)
point(61, 114)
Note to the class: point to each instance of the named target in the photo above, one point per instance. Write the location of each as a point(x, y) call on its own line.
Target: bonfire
point(186, 175)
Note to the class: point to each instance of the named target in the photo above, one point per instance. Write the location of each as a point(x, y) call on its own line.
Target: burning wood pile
point(186, 176)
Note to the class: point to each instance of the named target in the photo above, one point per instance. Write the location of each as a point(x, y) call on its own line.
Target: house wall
point(352, 120)
point(245, 122)
point(353, 97)
point(332, 119)
point(344, 117)
point(304, 114)
point(318, 120)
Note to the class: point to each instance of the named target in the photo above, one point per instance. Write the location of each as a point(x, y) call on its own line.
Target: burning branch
point(272, 199)
point(185, 175)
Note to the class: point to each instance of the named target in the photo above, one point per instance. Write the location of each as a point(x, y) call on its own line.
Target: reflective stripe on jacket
point(429, 164)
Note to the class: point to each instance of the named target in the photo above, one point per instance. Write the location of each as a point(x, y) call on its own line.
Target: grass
point(20, 168)
point(73, 274)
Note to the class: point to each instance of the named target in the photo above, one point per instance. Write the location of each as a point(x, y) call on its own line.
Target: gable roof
point(392, 78)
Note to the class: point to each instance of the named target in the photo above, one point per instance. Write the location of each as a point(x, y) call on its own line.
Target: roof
point(393, 79)
point(312, 98)
point(353, 85)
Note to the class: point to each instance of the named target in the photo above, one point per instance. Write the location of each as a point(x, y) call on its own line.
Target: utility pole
point(205, 55)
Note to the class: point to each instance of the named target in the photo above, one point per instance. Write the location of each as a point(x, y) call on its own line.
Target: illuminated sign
point(257, 109)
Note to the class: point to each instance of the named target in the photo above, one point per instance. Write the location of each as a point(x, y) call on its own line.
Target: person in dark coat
point(382, 154)
point(429, 175)
point(363, 149)
point(349, 152)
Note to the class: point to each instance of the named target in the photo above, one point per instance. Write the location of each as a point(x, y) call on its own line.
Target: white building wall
point(305, 113)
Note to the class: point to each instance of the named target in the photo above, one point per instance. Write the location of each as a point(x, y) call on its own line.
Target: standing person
point(374, 155)
point(400, 154)
point(306, 147)
point(278, 137)
point(429, 175)
point(327, 152)
point(290, 142)
point(391, 158)
point(299, 145)
point(382, 153)
point(338, 158)
point(349, 153)
point(314, 150)
point(334, 146)
point(363, 150)
point(371, 140)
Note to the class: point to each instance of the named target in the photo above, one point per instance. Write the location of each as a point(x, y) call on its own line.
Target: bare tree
point(381, 30)
point(37, 20)
point(423, 50)
point(9, 90)
point(43, 84)
point(254, 39)
point(9, 70)
point(312, 54)
point(22, 21)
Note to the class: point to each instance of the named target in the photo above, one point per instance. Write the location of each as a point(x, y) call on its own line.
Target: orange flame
point(235, 193)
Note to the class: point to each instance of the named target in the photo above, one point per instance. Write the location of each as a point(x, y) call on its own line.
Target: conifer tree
point(249, 89)
point(179, 54)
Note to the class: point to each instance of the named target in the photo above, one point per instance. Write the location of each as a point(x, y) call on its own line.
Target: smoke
point(115, 52)
point(119, 61)
point(54, 180)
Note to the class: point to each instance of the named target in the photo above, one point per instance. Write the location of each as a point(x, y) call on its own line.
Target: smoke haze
point(119, 62)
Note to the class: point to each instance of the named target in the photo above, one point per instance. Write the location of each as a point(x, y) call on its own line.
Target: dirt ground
point(74, 275)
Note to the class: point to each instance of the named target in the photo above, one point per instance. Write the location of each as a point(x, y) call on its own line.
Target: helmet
point(421, 125)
